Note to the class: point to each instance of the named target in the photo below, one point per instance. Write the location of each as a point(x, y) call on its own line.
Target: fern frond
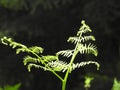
point(36, 49)
point(80, 39)
point(65, 53)
point(73, 40)
point(10, 42)
point(20, 47)
point(49, 58)
point(28, 59)
point(90, 48)
point(86, 38)
point(20, 50)
point(6, 40)
point(63, 66)
point(81, 64)
point(58, 65)
point(83, 29)
point(30, 65)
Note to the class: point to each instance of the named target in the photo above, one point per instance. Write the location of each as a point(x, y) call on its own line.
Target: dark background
point(48, 23)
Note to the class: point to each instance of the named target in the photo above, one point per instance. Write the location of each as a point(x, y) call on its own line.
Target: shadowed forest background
point(48, 23)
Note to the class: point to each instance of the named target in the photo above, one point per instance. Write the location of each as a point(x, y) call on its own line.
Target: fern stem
point(75, 53)
point(57, 75)
point(64, 82)
point(70, 65)
point(68, 71)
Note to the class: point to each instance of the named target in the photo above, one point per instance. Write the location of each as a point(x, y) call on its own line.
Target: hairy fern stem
point(68, 71)
point(64, 82)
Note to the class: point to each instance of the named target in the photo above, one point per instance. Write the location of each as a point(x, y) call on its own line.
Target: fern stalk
point(68, 71)
point(64, 82)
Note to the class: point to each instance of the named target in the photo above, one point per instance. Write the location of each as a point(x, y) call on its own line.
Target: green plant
point(87, 82)
point(116, 85)
point(9, 87)
point(52, 63)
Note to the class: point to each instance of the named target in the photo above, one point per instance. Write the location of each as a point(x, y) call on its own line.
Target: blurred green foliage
point(13, 4)
point(10, 87)
point(32, 4)
point(116, 85)
point(87, 82)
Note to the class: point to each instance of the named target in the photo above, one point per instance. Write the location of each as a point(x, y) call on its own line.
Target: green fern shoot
point(52, 63)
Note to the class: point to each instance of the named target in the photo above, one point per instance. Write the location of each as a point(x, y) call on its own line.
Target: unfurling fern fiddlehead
point(52, 62)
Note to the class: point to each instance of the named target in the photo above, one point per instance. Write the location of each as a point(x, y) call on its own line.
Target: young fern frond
point(49, 58)
point(81, 64)
point(63, 66)
point(73, 40)
point(86, 38)
point(65, 53)
point(87, 49)
point(60, 66)
point(81, 39)
point(30, 65)
point(36, 49)
point(43, 59)
point(28, 59)
point(20, 47)
point(36, 62)
point(83, 29)
point(6, 40)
